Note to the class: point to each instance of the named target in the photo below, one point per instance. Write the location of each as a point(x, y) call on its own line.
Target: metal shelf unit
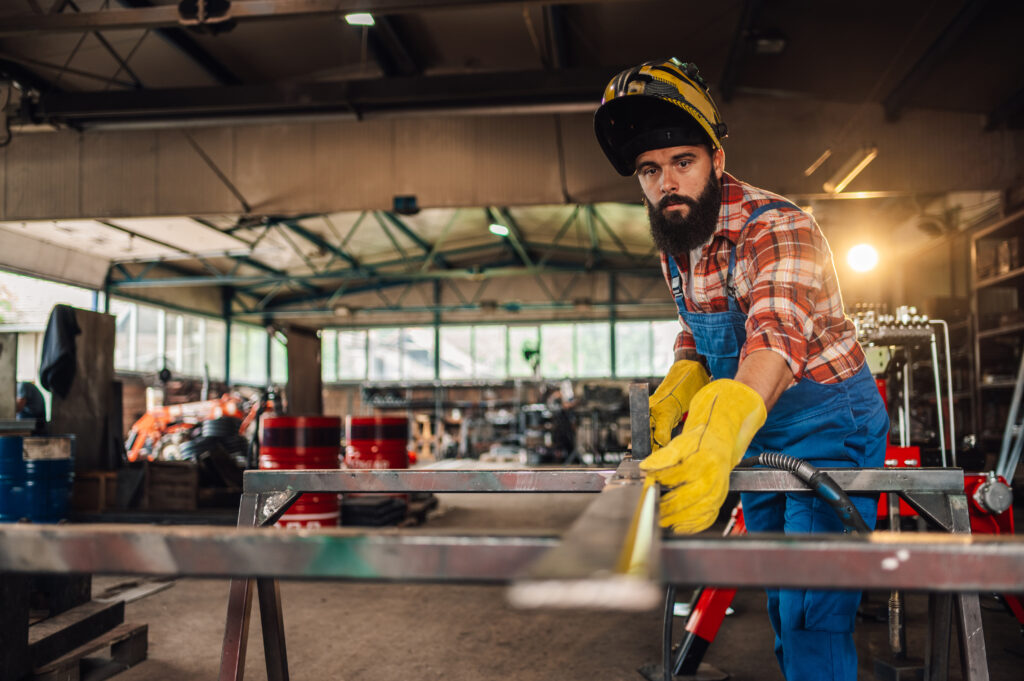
point(997, 306)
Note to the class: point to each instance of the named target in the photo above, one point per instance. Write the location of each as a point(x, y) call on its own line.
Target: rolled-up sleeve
point(787, 258)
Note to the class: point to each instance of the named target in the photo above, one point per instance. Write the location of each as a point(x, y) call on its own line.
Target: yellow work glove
point(671, 400)
point(693, 468)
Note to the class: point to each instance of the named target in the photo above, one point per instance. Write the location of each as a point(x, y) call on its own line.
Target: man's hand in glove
point(693, 469)
point(671, 400)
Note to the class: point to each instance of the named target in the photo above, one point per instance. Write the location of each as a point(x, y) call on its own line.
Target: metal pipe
point(906, 397)
point(938, 399)
point(949, 390)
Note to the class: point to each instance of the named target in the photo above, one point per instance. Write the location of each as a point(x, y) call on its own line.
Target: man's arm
point(767, 373)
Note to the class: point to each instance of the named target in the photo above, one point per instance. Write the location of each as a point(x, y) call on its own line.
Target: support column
point(227, 298)
point(612, 286)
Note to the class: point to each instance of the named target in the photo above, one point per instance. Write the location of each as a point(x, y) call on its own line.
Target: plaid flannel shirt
point(785, 283)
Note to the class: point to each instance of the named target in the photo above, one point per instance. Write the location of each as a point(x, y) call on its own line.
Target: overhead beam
point(390, 50)
point(514, 90)
point(241, 10)
point(558, 37)
point(425, 246)
point(738, 50)
point(1005, 112)
point(185, 43)
point(897, 98)
point(320, 242)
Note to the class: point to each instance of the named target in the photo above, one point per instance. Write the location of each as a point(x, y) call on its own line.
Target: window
point(456, 352)
point(278, 360)
point(385, 355)
point(190, 359)
point(522, 340)
point(148, 341)
point(556, 350)
point(488, 352)
point(593, 349)
point(214, 339)
point(418, 353)
point(633, 349)
point(124, 334)
point(664, 339)
point(329, 355)
point(352, 355)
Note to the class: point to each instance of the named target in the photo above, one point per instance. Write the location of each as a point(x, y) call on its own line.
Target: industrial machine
point(162, 433)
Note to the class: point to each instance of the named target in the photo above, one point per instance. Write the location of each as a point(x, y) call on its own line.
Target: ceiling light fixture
point(498, 230)
point(851, 169)
point(359, 19)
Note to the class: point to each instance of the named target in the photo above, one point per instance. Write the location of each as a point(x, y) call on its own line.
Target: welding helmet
point(656, 105)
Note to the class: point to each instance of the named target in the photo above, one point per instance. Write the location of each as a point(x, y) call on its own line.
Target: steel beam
point(609, 558)
point(321, 243)
point(391, 52)
point(946, 40)
point(184, 42)
point(918, 562)
point(1006, 111)
point(241, 10)
point(367, 97)
point(437, 481)
point(899, 480)
point(738, 49)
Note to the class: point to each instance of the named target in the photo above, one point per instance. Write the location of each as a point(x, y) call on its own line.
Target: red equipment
point(144, 439)
point(303, 443)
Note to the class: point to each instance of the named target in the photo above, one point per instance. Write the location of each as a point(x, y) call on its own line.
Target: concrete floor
point(383, 632)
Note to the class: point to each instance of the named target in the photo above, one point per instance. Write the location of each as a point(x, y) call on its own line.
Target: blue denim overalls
point(841, 425)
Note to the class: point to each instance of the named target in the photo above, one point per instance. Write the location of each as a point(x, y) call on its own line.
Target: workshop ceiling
point(113, 64)
point(944, 54)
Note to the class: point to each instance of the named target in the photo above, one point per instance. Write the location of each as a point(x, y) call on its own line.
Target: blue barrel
point(49, 471)
point(12, 480)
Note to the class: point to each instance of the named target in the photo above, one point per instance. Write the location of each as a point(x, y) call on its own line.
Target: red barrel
point(303, 443)
point(376, 442)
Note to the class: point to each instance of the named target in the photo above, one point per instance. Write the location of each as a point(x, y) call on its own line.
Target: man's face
point(682, 188)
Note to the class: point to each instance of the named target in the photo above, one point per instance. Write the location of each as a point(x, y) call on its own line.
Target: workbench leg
point(236, 631)
point(273, 629)
point(940, 620)
point(973, 657)
point(14, 659)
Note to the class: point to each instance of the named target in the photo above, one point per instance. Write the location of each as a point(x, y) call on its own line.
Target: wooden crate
point(94, 491)
point(170, 486)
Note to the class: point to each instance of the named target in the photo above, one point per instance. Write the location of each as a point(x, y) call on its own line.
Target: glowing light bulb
point(862, 257)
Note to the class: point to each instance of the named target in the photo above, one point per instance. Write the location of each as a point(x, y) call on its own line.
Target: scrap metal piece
point(610, 556)
point(640, 420)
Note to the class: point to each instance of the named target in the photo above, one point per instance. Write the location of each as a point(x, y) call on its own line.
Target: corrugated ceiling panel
point(119, 173)
point(184, 233)
point(285, 181)
point(187, 184)
point(460, 161)
point(26, 254)
point(43, 175)
point(353, 165)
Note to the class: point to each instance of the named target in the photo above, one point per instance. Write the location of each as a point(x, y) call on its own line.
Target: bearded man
point(761, 312)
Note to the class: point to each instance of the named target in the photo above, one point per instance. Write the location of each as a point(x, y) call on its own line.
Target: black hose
point(820, 482)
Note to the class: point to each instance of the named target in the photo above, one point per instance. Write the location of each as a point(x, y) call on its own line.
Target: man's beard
point(674, 233)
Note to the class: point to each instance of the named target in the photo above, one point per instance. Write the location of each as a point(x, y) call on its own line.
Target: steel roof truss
point(943, 43)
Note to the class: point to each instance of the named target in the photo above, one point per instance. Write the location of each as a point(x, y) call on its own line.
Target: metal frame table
point(614, 555)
